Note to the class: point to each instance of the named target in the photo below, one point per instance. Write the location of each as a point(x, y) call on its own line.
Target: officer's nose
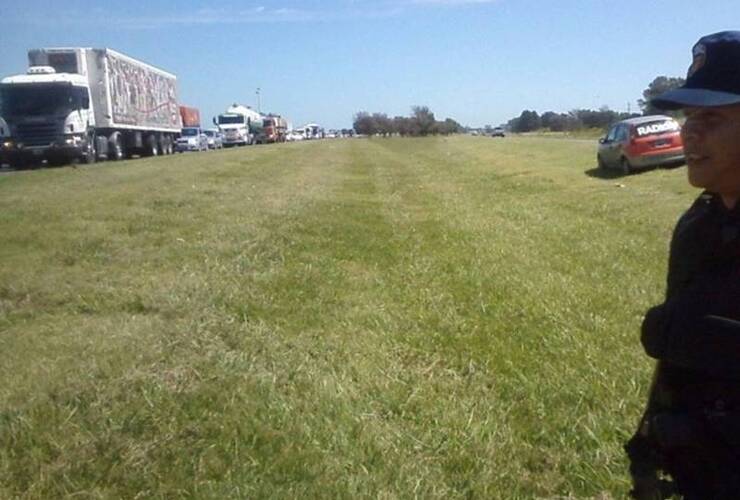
point(690, 131)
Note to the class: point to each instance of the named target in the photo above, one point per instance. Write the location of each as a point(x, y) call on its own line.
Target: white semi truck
point(87, 104)
point(240, 125)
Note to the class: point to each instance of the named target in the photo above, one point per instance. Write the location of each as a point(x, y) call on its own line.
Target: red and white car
point(636, 143)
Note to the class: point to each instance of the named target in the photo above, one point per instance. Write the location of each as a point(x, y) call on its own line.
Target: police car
point(636, 143)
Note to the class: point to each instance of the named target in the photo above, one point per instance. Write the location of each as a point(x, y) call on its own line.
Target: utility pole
point(259, 107)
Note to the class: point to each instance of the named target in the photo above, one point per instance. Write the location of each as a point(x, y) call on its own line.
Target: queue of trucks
point(85, 104)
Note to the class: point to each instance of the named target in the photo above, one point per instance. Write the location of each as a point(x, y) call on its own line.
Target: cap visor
point(684, 98)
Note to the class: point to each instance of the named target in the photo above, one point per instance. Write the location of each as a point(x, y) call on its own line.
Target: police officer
point(691, 429)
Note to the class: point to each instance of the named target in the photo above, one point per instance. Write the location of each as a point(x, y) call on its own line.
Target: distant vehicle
point(215, 138)
point(312, 131)
point(192, 139)
point(87, 104)
point(241, 125)
point(498, 132)
point(643, 142)
point(190, 117)
point(275, 128)
point(295, 135)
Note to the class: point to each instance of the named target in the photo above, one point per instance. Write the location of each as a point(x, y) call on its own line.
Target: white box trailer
point(84, 103)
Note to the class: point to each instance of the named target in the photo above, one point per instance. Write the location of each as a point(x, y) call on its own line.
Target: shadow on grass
point(604, 173)
point(610, 173)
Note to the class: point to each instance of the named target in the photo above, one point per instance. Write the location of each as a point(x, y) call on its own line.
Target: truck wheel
point(90, 153)
point(115, 147)
point(151, 146)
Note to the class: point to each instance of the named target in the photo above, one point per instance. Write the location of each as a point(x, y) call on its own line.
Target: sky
point(477, 61)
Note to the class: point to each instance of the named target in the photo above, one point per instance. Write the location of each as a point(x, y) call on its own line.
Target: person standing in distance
point(690, 431)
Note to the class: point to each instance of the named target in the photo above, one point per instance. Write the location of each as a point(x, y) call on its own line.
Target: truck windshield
point(227, 120)
point(189, 132)
point(39, 100)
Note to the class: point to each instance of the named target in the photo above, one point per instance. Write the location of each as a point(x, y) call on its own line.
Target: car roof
point(645, 119)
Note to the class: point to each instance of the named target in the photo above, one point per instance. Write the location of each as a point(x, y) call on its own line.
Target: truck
point(192, 137)
point(240, 125)
point(84, 104)
point(275, 128)
point(313, 131)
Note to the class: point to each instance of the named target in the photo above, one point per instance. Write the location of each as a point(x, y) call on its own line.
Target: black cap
point(713, 78)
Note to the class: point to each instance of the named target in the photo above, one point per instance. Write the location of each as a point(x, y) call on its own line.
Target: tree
point(402, 125)
point(423, 120)
point(364, 123)
point(559, 122)
point(449, 126)
point(527, 122)
point(383, 124)
point(658, 86)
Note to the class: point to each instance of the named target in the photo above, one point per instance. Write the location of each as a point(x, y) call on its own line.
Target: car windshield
point(189, 132)
point(657, 127)
point(39, 100)
point(210, 133)
point(230, 119)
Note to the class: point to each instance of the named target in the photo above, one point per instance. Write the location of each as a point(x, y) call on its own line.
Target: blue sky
point(477, 61)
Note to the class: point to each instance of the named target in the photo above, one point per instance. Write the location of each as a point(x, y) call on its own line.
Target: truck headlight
point(73, 140)
point(8, 144)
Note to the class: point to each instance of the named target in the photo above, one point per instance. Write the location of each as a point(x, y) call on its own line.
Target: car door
point(620, 142)
point(607, 151)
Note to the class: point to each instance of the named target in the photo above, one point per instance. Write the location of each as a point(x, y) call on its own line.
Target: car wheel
point(626, 166)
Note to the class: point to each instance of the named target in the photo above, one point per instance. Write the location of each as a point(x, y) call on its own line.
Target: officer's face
point(711, 138)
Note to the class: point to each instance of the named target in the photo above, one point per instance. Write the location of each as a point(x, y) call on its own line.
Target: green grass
point(391, 318)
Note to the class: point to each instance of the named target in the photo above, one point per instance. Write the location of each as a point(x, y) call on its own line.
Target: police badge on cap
point(713, 78)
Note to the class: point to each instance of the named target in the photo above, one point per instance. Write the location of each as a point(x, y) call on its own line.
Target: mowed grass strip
point(386, 318)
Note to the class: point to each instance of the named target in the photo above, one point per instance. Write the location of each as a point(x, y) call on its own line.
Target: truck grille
point(37, 134)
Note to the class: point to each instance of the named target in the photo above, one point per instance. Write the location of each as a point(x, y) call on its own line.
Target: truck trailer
point(87, 104)
point(240, 125)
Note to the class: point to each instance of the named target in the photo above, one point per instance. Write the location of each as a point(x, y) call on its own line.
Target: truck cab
point(240, 125)
point(47, 116)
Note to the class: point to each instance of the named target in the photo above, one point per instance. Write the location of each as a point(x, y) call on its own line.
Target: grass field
point(392, 318)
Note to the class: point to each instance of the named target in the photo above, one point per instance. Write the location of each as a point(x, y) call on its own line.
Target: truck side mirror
point(214, 121)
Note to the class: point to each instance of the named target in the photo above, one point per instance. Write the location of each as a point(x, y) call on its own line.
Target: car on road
point(639, 143)
point(295, 135)
point(191, 139)
point(498, 132)
point(215, 138)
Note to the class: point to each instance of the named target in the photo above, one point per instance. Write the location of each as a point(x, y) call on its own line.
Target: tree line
point(420, 122)
point(577, 119)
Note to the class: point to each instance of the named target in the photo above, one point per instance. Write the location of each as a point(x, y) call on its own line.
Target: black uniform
point(691, 428)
